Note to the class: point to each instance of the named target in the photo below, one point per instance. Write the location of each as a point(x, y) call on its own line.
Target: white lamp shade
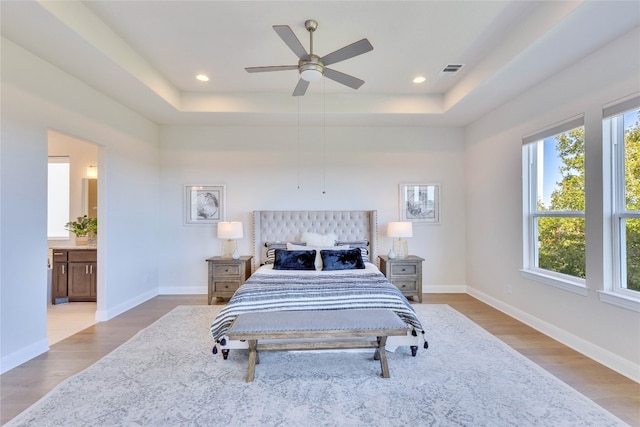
point(229, 230)
point(400, 229)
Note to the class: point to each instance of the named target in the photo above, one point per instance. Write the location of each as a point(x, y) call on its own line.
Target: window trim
point(530, 213)
point(619, 299)
point(613, 134)
point(557, 280)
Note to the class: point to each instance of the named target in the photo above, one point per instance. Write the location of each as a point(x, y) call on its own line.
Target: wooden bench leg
point(253, 356)
point(382, 354)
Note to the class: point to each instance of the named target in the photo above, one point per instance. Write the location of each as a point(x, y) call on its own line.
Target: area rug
point(167, 376)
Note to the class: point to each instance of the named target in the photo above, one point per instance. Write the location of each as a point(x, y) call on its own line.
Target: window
point(58, 198)
point(554, 205)
point(621, 132)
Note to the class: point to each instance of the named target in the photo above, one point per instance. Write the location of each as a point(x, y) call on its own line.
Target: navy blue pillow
point(294, 260)
point(349, 259)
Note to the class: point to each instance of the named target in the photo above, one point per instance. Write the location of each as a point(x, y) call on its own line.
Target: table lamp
point(399, 230)
point(230, 231)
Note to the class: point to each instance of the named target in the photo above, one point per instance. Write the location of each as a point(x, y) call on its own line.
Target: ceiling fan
point(312, 67)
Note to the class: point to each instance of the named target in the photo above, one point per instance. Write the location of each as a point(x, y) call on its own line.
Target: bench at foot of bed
point(324, 330)
point(225, 351)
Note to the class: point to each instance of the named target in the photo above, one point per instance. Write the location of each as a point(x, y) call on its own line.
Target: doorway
point(72, 298)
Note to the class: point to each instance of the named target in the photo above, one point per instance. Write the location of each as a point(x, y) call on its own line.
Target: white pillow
point(315, 239)
point(318, 262)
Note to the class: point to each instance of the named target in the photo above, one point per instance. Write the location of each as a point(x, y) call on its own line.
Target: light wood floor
point(65, 320)
point(22, 386)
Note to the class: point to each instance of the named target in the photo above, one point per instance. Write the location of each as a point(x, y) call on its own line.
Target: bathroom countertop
point(72, 247)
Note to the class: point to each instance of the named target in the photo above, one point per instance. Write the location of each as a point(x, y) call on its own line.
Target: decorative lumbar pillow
point(294, 260)
point(318, 262)
point(271, 249)
point(315, 239)
point(363, 245)
point(349, 259)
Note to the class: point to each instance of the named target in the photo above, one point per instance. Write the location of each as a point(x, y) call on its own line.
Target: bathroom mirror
point(90, 197)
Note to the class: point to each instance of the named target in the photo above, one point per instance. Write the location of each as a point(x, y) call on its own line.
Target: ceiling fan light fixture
point(311, 75)
point(311, 72)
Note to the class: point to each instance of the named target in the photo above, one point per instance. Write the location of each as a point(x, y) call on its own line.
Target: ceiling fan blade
point(288, 36)
point(343, 78)
point(301, 87)
point(354, 49)
point(271, 68)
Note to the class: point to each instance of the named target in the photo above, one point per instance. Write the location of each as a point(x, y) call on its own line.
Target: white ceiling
point(145, 54)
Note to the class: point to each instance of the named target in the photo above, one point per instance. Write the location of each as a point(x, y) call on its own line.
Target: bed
point(271, 289)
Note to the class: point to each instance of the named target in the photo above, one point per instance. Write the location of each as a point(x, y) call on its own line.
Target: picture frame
point(420, 203)
point(204, 204)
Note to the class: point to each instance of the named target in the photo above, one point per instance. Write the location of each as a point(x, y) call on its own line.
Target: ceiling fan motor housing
point(312, 69)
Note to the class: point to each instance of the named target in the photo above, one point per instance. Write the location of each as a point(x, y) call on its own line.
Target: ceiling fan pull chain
point(299, 143)
point(324, 136)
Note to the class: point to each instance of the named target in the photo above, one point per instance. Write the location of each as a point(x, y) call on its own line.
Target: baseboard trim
point(444, 289)
point(104, 315)
point(599, 354)
point(23, 355)
point(183, 290)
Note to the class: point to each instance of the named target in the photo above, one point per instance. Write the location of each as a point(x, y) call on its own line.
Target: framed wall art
point(420, 203)
point(204, 204)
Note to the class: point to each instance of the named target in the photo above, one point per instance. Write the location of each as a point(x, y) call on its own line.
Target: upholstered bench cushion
point(326, 320)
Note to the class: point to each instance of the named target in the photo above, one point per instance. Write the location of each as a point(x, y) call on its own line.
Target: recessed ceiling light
point(419, 79)
point(202, 77)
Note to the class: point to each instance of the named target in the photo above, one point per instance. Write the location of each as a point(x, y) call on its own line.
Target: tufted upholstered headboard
point(273, 226)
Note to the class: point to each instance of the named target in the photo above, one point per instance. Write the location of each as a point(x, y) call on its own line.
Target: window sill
point(556, 282)
point(620, 300)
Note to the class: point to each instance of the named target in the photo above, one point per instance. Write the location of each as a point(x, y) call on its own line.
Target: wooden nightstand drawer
point(225, 286)
point(226, 270)
point(404, 269)
point(406, 286)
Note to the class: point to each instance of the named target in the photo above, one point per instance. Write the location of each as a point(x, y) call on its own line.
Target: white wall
point(37, 97)
point(494, 207)
point(260, 168)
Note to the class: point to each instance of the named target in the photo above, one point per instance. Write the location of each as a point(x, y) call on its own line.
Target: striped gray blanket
point(271, 290)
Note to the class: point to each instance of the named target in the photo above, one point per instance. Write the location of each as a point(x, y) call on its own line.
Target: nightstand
point(226, 275)
point(405, 273)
